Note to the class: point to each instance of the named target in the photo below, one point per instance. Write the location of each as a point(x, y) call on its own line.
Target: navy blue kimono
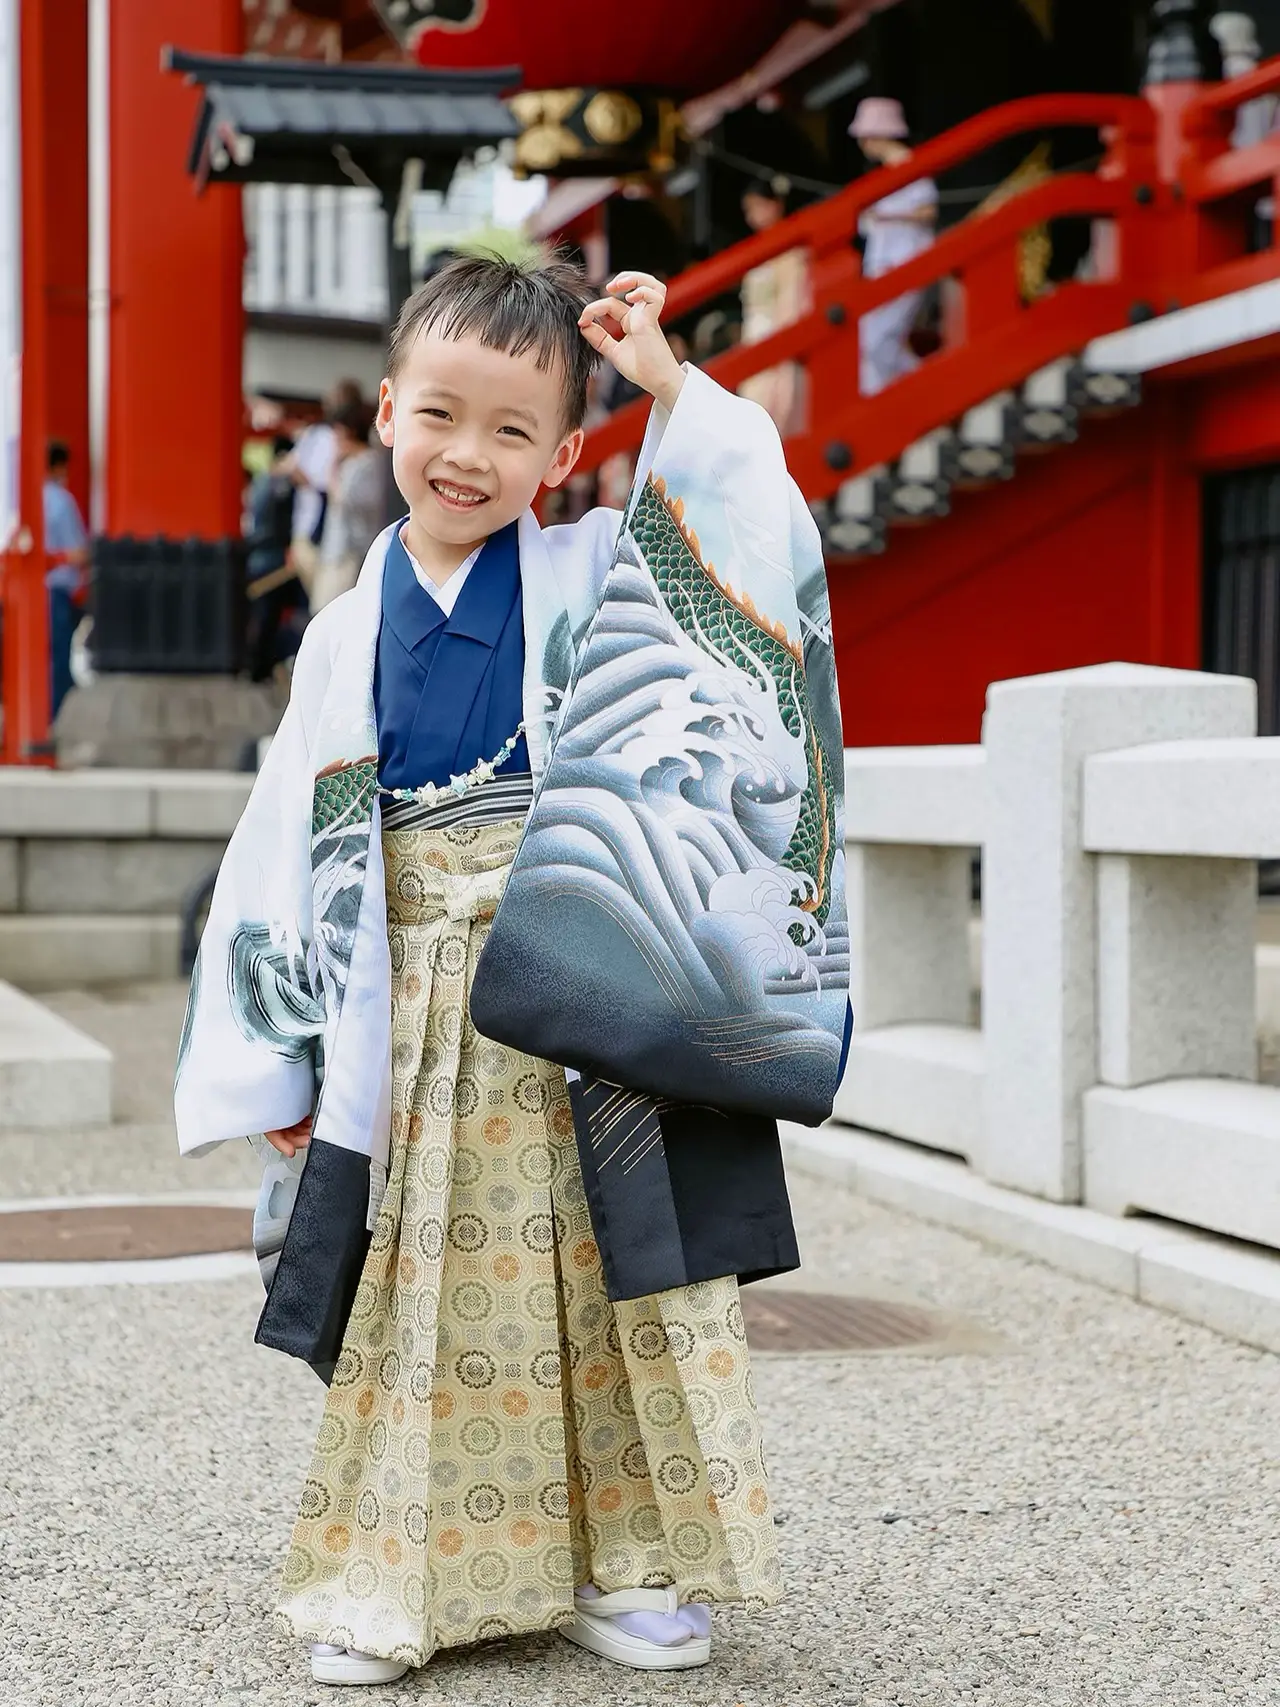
point(448, 690)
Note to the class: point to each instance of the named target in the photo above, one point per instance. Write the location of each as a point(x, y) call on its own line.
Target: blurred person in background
point(66, 545)
point(274, 589)
point(896, 229)
point(1237, 36)
point(311, 468)
point(774, 294)
point(356, 509)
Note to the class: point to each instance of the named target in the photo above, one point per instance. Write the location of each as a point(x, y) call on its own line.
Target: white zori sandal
point(685, 1638)
point(348, 1665)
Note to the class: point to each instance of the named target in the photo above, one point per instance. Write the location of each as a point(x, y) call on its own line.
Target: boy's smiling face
point(473, 432)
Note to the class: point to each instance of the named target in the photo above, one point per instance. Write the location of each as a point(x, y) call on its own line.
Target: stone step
point(125, 804)
point(63, 875)
point(51, 1075)
point(63, 951)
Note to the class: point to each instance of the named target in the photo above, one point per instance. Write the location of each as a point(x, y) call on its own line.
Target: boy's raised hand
point(624, 327)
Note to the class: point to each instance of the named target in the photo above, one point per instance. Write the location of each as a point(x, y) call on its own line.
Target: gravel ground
point(1085, 1518)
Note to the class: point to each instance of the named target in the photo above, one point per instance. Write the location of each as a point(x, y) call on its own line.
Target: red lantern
point(681, 47)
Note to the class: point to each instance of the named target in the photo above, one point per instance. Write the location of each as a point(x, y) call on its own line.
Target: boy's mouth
point(458, 497)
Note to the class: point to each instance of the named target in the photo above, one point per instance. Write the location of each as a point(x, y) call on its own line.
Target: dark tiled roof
point(293, 120)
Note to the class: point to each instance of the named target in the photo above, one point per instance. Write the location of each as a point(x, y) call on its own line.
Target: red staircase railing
point(1169, 183)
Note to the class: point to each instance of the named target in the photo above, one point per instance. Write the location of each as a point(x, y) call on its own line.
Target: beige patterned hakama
point(497, 1430)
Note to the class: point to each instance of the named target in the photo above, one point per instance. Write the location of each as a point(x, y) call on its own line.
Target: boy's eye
point(440, 414)
point(518, 431)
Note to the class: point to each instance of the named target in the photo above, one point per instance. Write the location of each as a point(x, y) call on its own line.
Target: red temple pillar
point(26, 622)
point(66, 145)
point(174, 409)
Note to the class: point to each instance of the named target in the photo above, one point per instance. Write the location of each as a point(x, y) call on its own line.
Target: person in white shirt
point(1256, 120)
point(896, 229)
point(311, 467)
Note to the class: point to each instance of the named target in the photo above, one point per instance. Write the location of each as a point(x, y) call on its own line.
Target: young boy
point(540, 1410)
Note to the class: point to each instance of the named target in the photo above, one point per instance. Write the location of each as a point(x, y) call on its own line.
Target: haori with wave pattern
point(722, 621)
point(672, 920)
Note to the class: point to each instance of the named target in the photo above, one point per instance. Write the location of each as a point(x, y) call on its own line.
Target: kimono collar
point(482, 607)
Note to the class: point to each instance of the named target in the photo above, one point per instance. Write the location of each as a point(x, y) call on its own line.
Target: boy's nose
point(464, 453)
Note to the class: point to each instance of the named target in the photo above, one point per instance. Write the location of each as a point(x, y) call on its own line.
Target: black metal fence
point(1242, 582)
point(168, 606)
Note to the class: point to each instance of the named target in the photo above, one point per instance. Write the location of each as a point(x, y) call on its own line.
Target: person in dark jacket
point(273, 588)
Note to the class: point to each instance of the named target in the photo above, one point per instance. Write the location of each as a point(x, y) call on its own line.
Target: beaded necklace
point(479, 774)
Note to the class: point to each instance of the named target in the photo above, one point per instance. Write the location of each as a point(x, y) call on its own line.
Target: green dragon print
point(721, 621)
point(343, 795)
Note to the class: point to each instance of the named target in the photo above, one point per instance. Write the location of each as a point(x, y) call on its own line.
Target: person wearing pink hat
point(896, 228)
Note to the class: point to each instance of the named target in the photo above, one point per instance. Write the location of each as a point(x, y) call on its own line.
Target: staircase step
point(987, 441)
point(856, 537)
point(1102, 391)
point(1048, 414)
point(920, 482)
point(62, 951)
point(854, 523)
point(51, 1075)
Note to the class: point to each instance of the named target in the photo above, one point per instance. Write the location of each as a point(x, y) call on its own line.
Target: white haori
point(290, 1008)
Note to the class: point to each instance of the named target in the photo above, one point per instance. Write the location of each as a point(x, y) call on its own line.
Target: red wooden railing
point(1176, 194)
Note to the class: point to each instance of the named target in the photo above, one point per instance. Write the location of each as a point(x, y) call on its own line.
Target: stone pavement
point(1081, 1514)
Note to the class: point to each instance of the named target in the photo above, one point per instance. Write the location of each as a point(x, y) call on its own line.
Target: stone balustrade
point(1120, 812)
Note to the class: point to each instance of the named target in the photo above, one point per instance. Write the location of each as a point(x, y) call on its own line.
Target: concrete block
point(86, 876)
point(1219, 799)
point(51, 1075)
point(69, 951)
point(194, 804)
point(909, 913)
point(72, 803)
point(10, 866)
point(936, 1188)
point(1233, 1290)
point(927, 795)
point(1224, 1286)
point(922, 1082)
point(1039, 983)
point(1205, 1152)
point(1176, 968)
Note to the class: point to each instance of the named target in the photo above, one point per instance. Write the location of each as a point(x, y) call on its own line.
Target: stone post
point(1039, 976)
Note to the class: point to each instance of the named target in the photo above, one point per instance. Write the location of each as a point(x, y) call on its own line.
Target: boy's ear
point(386, 414)
point(562, 463)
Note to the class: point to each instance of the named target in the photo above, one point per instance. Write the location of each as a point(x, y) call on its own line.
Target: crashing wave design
point(676, 802)
point(727, 625)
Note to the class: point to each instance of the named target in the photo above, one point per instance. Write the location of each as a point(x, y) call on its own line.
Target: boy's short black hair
point(58, 455)
point(516, 306)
